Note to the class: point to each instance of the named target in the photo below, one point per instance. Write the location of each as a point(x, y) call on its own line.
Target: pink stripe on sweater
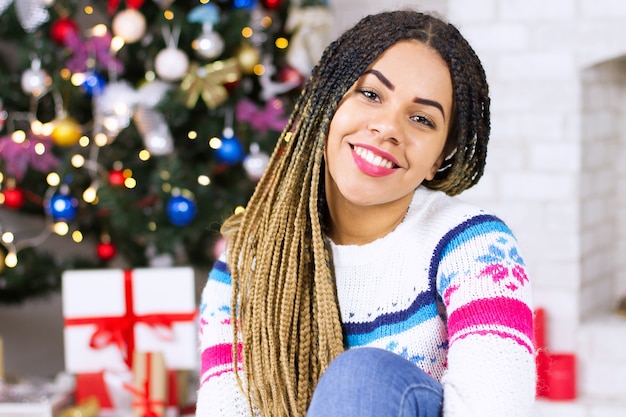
point(219, 355)
point(499, 311)
point(503, 335)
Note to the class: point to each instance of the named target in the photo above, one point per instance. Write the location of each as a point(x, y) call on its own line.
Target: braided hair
point(284, 295)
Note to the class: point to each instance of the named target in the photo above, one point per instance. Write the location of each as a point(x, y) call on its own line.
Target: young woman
point(354, 284)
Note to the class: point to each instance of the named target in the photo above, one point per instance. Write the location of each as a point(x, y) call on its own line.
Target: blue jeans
point(364, 382)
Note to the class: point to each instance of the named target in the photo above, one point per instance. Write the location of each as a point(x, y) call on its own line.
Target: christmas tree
point(140, 125)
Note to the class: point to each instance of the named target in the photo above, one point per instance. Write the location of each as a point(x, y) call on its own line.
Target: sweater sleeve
point(219, 394)
point(483, 283)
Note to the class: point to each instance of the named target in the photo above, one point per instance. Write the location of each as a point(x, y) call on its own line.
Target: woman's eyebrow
point(382, 78)
point(392, 87)
point(432, 103)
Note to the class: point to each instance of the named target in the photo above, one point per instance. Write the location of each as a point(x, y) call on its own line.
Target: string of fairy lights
point(116, 104)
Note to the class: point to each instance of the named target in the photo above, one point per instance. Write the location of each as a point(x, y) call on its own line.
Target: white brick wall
point(554, 169)
point(602, 9)
point(536, 10)
point(348, 12)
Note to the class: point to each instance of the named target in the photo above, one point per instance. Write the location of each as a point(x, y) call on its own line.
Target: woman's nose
point(385, 122)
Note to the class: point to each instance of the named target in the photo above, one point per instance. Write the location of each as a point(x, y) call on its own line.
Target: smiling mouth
point(372, 158)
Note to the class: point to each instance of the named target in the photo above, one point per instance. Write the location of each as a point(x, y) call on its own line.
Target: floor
point(582, 407)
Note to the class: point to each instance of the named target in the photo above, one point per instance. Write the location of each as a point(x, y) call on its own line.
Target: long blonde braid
point(283, 281)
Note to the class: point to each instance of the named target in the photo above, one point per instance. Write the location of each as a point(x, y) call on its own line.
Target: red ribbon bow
point(119, 330)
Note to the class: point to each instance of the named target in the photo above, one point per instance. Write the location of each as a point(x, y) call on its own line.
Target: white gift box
point(109, 313)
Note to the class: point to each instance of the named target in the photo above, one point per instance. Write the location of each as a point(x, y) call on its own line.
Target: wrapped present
point(178, 388)
point(149, 387)
point(109, 314)
point(109, 388)
point(114, 390)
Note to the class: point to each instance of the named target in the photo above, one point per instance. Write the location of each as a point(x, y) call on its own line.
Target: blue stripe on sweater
point(220, 273)
point(421, 309)
point(468, 230)
point(460, 235)
point(426, 312)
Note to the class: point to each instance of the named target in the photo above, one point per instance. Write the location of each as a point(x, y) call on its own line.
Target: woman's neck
point(358, 225)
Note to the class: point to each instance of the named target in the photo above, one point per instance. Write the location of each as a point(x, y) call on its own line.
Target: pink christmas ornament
point(97, 47)
point(18, 157)
point(270, 117)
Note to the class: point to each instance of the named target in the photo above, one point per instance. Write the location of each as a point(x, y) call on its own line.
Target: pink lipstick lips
point(372, 161)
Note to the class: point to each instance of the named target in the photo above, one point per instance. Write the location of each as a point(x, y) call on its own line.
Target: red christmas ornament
point(116, 177)
point(272, 4)
point(61, 28)
point(13, 198)
point(232, 86)
point(105, 251)
point(288, 74)
point(131, 4)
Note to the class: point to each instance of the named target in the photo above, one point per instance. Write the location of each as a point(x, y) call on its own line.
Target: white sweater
point(447, 290)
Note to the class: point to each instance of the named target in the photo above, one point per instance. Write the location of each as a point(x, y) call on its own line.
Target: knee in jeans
point(362, 358)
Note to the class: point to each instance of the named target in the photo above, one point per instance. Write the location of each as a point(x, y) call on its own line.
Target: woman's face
point(390, 128)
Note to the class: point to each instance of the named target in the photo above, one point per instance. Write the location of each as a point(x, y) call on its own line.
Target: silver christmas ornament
point(255, 163)
point(209, 44)
point(35, 80)
point(32, 13)
point(171, 64)
point(4, 4)
point(114, 108)
point(130, 25)
point(154, 130)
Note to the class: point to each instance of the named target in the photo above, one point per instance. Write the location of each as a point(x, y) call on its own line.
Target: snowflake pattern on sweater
point(447, 290)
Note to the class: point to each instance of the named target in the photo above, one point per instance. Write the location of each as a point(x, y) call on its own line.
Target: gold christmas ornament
point(90, 407)
point(248, 57)
point(208, 82)
point(66, 131)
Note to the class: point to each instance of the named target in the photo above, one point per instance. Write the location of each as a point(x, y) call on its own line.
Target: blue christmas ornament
point(231, 150)
point(205, 13)
point(181, 210)
point(63, 207)
point(244, 4)
point(94, 83)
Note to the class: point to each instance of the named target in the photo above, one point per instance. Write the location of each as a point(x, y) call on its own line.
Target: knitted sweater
point(447, 290)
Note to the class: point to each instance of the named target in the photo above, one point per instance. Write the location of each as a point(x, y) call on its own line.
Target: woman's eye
point(369, 95)
point(423, 120)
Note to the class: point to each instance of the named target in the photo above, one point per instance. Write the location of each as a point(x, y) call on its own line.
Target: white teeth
point(373, 159)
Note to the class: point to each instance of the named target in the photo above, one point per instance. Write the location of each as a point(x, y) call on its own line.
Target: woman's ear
point(435, 167)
